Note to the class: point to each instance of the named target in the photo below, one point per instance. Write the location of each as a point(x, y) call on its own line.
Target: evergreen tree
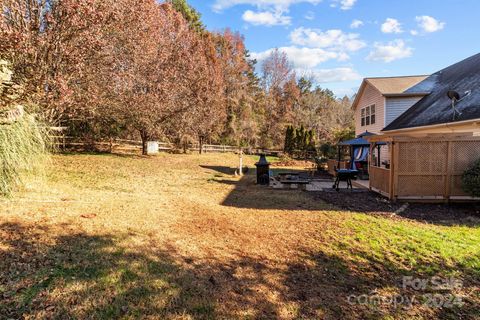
point(305, 140)
point(293, 140)
point(297, 138)
point(311, 145)
point(193, 17)
point(300, 139)
point(288, 139)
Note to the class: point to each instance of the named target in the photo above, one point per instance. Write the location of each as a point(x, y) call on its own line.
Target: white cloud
point(266, 18)
point(392, 26)
point(281, 5)
point(310, 15)
point(391, 51)
point(344, 4)
point(356, 24)
point(335, 40)
point(414, 32)
point(342, 91)
point(429, 24)
point(334, 75)
point(302, 58)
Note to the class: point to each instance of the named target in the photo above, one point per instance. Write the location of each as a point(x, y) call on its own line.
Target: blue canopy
point(360, 153)
point(355, 142)
point(360, 141)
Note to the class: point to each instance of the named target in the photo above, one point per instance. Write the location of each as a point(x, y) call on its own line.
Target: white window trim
point(364, 112)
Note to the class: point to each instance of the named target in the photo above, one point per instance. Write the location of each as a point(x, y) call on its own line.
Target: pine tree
point(311, 145)
point(293, 140)
point(297, 138)
point(300, 145)
point(288, 139)
point(305, 140)
point(192, 16)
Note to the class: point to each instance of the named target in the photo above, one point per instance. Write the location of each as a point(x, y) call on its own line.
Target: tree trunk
point(200, 145)
point(144, 136)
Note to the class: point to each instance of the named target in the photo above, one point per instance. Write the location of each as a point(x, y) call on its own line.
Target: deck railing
point(427, 168)
point(380, 180)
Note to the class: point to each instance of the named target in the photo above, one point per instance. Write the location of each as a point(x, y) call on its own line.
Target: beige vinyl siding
point(396, 106)
point(370, 96)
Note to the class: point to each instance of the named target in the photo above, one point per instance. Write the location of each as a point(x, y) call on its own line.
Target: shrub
point(471, 180)
point(329, 151)
point(290, 139)
point(23, 149)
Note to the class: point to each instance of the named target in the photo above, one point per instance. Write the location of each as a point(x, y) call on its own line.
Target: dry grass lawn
point(180, 237)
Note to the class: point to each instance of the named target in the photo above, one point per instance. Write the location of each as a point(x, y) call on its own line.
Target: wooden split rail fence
point(71, 143)
point(63, 142)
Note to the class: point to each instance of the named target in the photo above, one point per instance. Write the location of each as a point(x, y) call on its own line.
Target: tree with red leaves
point(282, 93)
point(241, 88)
point(52, 46)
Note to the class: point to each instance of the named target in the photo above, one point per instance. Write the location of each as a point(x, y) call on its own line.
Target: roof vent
point(455, 97)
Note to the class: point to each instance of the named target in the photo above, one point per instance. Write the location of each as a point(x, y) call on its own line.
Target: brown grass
point(180, 237)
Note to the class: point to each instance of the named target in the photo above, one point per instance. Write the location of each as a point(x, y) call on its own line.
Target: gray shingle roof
point(395, 85)
point(392, 86)
point(436, 108)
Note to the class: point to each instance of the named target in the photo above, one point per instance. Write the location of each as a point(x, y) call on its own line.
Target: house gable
point(369, 96)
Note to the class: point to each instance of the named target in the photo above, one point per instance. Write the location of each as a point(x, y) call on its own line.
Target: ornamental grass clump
point(471, 180)
point(23, 150)
point(23, 140)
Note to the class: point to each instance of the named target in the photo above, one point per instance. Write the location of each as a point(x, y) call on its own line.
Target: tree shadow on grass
point(61, 273)
point(220, 169)
point(123, 155)
point(365, 201)
point(247, 194)
point(77, 275)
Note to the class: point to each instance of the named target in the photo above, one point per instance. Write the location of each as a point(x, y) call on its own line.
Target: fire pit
point(263, 170)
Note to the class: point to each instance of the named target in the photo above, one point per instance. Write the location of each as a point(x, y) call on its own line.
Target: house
point(429, 143)
point(379, 101)
point(413, 105)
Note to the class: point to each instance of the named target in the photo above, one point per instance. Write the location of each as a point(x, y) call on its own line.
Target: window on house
point(372, 114)
point(368, 115)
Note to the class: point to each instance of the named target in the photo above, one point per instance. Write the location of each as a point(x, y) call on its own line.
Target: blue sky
point(339, 42)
